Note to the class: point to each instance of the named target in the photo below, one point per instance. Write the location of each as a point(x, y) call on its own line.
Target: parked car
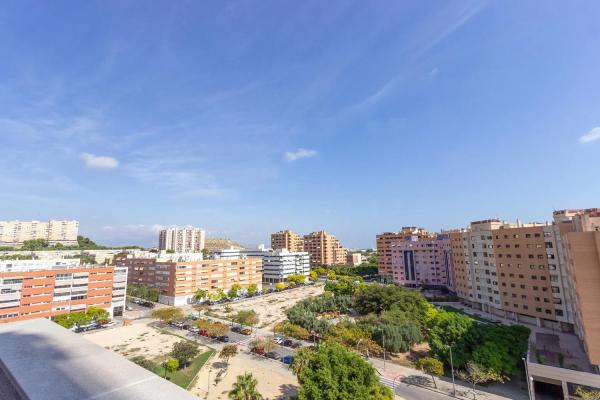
point(295, 345)
point(273, 355)
point(193, 329)
point(288, 342)
point(223, 338)
point(287, 359)
point(236, 328)
point(278, 340)
point(246, 331)
point(258, 350)
point(128, 308)
point(148, 304)
point(203, 332)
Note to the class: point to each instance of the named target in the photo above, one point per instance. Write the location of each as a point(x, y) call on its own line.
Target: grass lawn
point(184, 377)
point(458, 310)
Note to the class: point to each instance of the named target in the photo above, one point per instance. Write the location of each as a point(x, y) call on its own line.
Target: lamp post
point(383, 341)
point(452, 370)
point(394, 383)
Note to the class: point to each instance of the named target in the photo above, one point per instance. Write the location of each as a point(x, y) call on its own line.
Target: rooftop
point(43, 361)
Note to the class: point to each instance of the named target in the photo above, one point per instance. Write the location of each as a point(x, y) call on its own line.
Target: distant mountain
point(212, 244)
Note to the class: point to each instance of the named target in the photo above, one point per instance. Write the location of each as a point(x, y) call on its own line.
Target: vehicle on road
point(203, 332)
point(111, 323)
point(128, 308)
point(258, 350)
point(278, 340)
point(223, 339)
point(273, 355)
point(246, 331)
point(295, 345)
point(287, 359)
point(288, 342)
point(236, 328)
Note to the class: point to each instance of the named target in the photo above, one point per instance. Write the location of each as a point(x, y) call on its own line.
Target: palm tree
point(245, 388)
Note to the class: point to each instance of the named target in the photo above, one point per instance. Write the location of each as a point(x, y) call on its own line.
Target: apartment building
point(324, 249)
point(178, 279)
point(384, 248)
point(354, 259)
point(14, 233)
point(423, 260)
point(581, 242)
point(45, 288)
point(182, 240)
point(288, 240)
point(277, 264)
point(514, 271)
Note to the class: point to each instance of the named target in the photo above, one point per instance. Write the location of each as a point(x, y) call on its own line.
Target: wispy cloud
point(299, 154)
point(591, 136)
point(101, 162)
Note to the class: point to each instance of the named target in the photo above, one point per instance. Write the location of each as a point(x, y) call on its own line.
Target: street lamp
point(394, 383)
point(452, 370)
point(383, 341)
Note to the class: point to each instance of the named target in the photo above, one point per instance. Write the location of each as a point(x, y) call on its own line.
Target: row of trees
point(143, 292)
point(233, 292)
point(92, 314)
point(83, 243)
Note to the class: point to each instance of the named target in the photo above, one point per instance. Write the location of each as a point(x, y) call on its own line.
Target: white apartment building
point(14, 233)
point(182, 240)
point(277, 264)
point(280, 264)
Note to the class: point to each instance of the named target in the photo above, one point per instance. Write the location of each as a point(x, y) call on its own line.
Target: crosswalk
point(389, 382)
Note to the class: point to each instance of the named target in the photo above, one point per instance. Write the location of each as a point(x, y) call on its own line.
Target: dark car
point(287, 359)
point(295, 345)
point(274, 355)
point(288, 342)
point(236, 328)
point(224, 338)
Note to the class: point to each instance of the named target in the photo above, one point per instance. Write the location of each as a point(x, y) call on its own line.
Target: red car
point(258, 350)
point(203, 332)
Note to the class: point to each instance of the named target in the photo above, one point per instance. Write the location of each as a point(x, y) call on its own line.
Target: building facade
point(46, 288)
point(581, 241)
point(14, 233)
point(423, 260)
point(181, 240)
point(288, 240)
point(179, 280)
point(384, 247)
point(324, 249)
point(354, 259)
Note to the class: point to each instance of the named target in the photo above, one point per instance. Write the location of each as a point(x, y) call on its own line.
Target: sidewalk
point(414, 377)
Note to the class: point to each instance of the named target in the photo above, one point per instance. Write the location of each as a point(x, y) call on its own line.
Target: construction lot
point(270, 308)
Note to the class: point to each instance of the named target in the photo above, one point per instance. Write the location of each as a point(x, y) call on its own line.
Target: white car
point(278, 340)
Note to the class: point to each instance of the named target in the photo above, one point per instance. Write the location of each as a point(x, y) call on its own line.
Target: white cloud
point(300, 153)
point(93, 161)
point(591, 136)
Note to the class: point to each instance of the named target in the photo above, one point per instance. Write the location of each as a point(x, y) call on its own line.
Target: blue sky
point(246, 117)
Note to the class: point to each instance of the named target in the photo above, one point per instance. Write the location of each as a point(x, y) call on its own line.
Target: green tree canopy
point(252, 289)
point(431, 366)
point(246, 317)
point(244, 388)
point(332, 372)
point(168, 314)
point(228, 351)
point(184, 351)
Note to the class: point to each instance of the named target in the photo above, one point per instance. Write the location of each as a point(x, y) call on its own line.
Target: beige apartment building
point(581, 241)
point(179, 277)
point(181, 240)
point(354, 259)
point(14, 233)
point(288, 240)
point(324, 249)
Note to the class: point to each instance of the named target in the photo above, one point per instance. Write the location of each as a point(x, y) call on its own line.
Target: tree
point(267, 344)
point(286, 328)
point(475, 374)
point(331, 275)
point(279, 286)
point(184, 351)
point(296, 279)
point(431, 366)
point(200, 294)
point(398, 338)
point(300, 360)
point(246, 317)
point(244, 388)
point(587, 394)
point(168, 314)
point(218, 329)
point(313, 276)
point(252, 289)
point(99, 315)
point(233, 291)
point(228, 351)
point(170, 365)
point(332, 372)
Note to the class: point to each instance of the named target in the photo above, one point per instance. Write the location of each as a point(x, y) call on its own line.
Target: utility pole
point(527, 378)
point(383, 336)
